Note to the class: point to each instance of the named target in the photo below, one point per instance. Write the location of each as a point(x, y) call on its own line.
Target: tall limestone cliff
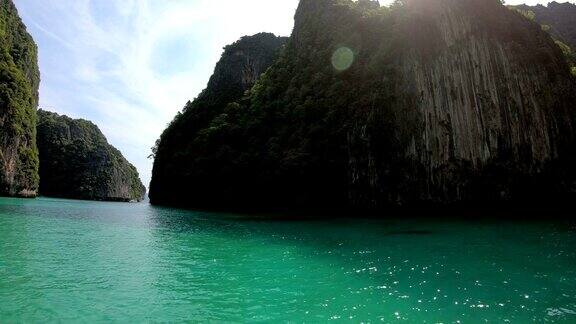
point(237, 71)
point(436, 101)
point(77, 162)
point(19, 81)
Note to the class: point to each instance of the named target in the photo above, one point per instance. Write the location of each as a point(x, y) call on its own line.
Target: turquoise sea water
point(74, 261)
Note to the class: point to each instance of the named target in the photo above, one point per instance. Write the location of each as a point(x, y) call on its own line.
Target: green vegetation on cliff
point(19, 80)
point(559, 19)
point(77, 162)
point(237, 71)
point(569, 54)
point(368, 106)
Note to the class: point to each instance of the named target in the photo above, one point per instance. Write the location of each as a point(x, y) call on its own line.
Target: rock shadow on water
point(411, 232)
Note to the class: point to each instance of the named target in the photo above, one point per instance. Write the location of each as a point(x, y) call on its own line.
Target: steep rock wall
point(240, 66)
point(494, 99)
point(19, 80)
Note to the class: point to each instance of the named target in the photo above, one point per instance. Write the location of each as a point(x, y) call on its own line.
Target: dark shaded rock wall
point(495, 106)
point(238, 69)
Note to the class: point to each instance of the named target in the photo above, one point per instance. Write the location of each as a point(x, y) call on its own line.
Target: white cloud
point(97, 58)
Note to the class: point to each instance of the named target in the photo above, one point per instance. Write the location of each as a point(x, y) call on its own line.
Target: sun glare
point(342, 58)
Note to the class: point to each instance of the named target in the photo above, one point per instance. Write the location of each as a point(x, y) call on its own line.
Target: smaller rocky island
point(76, 162)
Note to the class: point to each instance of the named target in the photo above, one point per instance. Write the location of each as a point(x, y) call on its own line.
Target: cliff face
point(77, 162)
point(19, 80)
point(494, 107)
point(237, 71)
point(427, 101)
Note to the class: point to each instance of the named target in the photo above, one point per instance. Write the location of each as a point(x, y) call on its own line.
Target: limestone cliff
point(77, 162)
point(238, 69)
point(426, 101)
point(492, 102)
point(19, 80)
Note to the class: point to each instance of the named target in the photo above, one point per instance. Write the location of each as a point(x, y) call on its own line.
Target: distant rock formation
point(428, 101)
point(77, 162)
point(19, 80)
point(560, 17)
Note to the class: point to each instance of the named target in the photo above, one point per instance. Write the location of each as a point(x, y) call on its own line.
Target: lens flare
point(342, 58)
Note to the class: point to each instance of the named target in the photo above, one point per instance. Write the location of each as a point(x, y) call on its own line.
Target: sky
point(130, 65)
